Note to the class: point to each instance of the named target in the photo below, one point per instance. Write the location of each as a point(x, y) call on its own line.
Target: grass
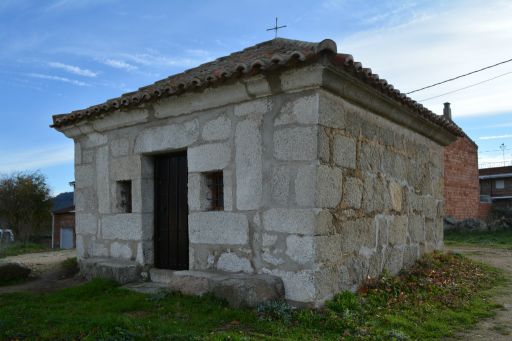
point(16, 249)
point(441, 294)
point(500, 239)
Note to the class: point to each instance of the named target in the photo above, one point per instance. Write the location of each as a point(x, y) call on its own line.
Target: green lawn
point(501, 239)
point(15, 249)
point(439, 295)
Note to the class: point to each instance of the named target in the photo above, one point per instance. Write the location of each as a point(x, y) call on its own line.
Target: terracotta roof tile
point(264, 57)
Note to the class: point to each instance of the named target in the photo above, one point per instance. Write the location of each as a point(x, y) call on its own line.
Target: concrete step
point(239, 289)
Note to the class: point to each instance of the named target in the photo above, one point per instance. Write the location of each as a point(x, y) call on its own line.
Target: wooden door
point(171, 211)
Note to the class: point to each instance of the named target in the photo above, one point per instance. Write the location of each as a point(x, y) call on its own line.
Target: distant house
point(496, 184)
point(461, 187)
point(63, 221)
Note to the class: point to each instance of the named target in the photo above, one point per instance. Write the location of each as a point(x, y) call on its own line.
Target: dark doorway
point(171, 211)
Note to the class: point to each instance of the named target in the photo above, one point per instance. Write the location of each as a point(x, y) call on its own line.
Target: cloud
point(36, 158)
point(433, 46)
point(154, 58)
point(73, 69)
point(496, 137)
point(119, 64)
point(57, 78)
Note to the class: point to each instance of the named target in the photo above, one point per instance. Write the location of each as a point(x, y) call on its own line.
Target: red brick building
point(461, 183)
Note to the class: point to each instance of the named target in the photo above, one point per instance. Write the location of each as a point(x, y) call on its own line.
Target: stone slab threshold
point(238, 289)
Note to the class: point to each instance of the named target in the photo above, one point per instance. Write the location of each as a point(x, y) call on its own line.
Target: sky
point(63, 55)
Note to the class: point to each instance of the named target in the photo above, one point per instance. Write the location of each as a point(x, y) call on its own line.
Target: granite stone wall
point(388, 208)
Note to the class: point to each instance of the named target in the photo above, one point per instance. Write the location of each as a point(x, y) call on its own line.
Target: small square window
point(500, 184)
point(124, 196)
point(214, 191)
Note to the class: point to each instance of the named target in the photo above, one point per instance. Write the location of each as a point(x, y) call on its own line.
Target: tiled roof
point(264, 57)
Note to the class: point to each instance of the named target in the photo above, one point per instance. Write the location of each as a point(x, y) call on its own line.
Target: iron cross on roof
point(275, 28)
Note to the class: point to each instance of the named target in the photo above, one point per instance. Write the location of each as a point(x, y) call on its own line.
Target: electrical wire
point(466, 87)
point(454, 78)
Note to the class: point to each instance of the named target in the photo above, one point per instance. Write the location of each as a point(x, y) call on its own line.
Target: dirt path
point(500, 326)
point(46, 267)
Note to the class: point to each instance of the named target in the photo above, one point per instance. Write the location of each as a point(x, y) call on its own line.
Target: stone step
point(119, 270)
point(239, 289)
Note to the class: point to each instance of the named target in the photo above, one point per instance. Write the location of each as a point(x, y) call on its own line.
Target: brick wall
point(62, 220)
point(461, 185)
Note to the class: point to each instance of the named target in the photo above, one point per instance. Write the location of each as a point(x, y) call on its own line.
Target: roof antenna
point(275, 28)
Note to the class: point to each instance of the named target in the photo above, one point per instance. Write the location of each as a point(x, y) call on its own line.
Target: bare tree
point(25, 203)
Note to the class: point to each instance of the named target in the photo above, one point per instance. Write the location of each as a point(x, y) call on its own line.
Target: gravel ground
point(47, 270)
point(41, 262)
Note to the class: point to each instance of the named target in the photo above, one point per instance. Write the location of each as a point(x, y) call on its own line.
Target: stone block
point(85, 176)
point(324, 223)
point(208, 98)
point(255, 108)
point(248, 290)
point(332, 111)
point(300, 78)
point(329, 183)
point(119, 147)
point(228, 190)
point(353, 192)
point(120, 250)
point(119, 270)
point(300, 249)
point(125, 167)
point(217, 129)
point(86, 223)
point(397, 234)
point(208, 157)
point(142, 195)
point(280, 184)
point(299, 143)
point(87, 156)
point(416, 228)
point(230, 262)
point(305, 185)
point(328, 249)
point(218, 228)
point(99, 249)
point(248, 165)
point(125, 226)
point(102, 179)
point(268, 239)
point(396, 193)
point(324, 151)
point(94, 140)
point(374, 191)
point(303, 110)
point(295, 221)
point(357, 234)
point(298, 286)
point(239, 290)
point(370, 157)
point(167, 138)
point(344, 151)
point(78, 153)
